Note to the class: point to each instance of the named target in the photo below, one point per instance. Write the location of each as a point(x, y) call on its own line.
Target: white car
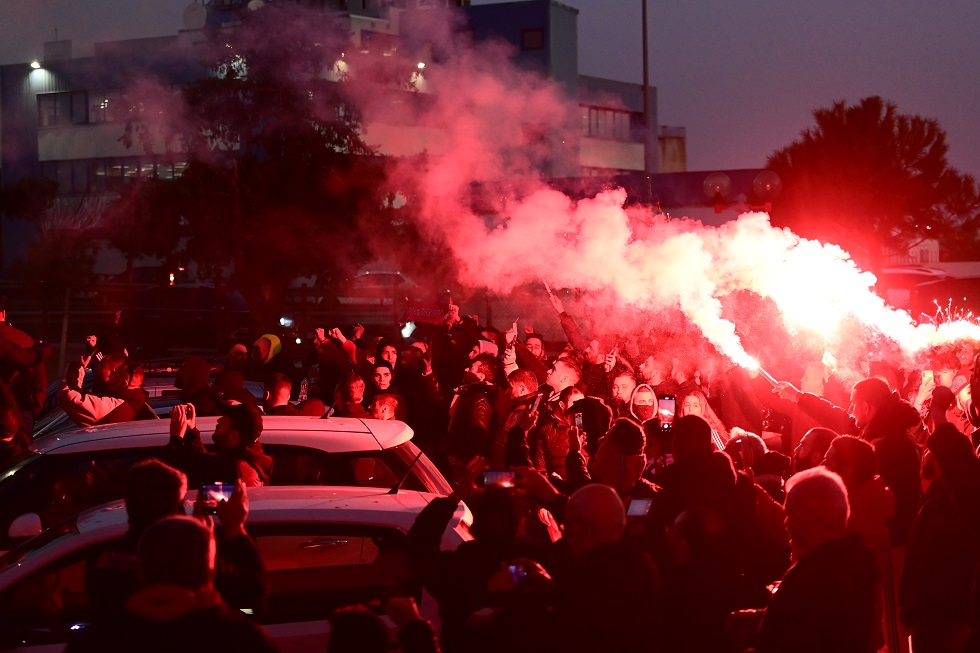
point(64, 473)
point(323, 547)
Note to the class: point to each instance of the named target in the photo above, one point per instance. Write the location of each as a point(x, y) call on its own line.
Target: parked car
point(324, 548)
point(65, 473)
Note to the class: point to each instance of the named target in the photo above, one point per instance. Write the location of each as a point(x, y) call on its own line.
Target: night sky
point(742, 76)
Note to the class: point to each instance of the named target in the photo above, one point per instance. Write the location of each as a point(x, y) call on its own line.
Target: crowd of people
point(627, 493)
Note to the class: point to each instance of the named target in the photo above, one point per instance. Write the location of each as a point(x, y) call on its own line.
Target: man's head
point(239, 425)
point(562, 374)
point(177, 550)
point(351, 389)
point(622, 387)
point(853, 459)
point(277, 390)
point(153, 490)
point(237, 356)
point(644, 403)
point(814, 378)
point(594, 516)
point(483, 367)
point(654, 371)
point(389, 354)
point(816, 509)
point(619, 459)
point(535, 345)
point(125, 377)
point(812, 448)
point(91, 341)
point(75, 376)
point(684, 369)
point(522, 382)
point(382, 375)
point(384, 406)
point(690, 438)
point(867, 398)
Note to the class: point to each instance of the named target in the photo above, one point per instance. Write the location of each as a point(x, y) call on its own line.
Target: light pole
point(650, 154)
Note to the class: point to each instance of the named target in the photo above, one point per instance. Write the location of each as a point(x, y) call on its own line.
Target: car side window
point(316, 569)
point(58, 486)
point(293, 465)
point(45, 607)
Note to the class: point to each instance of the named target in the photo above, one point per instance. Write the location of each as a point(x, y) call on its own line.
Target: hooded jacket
point(646, 412)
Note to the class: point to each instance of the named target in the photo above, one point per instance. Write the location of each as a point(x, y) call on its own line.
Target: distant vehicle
point(323, 548)
point(382, 290)
point(181, 316)
point(65, 473)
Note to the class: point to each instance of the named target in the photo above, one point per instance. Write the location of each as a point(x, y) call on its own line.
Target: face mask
point(470, 377)
point(643, 413)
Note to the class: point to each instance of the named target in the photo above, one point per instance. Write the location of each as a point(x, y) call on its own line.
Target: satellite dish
point(195, 16)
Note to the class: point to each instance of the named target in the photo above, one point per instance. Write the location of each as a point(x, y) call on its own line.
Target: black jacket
point(247, 462)
point(824, 603)
point(895, 451)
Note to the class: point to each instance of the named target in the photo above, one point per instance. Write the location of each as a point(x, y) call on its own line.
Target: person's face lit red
point(692, 406)
point(382, 378)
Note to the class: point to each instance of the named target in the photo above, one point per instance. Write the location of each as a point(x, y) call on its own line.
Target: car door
point(315, 569)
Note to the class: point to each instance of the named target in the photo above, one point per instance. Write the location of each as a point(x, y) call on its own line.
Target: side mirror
point(27, 525)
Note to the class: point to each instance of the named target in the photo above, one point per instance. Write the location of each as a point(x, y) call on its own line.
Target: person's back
point(609, 598)
point(825, 601)
point(177, 608)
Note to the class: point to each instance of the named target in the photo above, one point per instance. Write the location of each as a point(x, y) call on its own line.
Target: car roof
point(336, 434)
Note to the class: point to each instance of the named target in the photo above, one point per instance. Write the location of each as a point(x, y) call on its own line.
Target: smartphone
point(498, 478)
point(928, 376)
point(668, 406)
point(639, 507)
point(518, 574)
point(537, 402)
point(212, 493)
point(578, 420)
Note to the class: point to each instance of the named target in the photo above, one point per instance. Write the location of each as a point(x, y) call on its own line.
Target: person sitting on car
point(238, 454)
point(194, 381)
point(347, 402)
point(177, 607)
point(84, 408)
point(126, 383)
point(155, 490)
